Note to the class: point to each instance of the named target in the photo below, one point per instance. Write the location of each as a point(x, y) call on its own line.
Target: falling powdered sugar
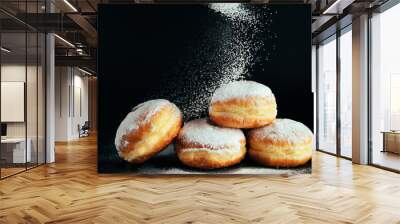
point(232, 10)
point(238, 38)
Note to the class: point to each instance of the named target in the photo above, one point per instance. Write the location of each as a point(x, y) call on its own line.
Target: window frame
point(334, 37)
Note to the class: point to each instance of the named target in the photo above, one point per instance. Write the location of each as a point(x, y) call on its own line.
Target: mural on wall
point(222, 88)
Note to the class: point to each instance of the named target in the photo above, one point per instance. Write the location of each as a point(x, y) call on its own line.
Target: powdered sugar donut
point(284, 143)
point(203, 145)
point(148, 129)
point(243, 104)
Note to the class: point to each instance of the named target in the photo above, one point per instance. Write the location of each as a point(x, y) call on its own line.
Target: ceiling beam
point(83, 61)
point(81, 21)
point(86, 27)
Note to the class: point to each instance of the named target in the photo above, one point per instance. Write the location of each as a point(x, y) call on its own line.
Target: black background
point(146, 52)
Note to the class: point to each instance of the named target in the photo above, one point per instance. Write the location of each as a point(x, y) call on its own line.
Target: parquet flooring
point(71, 191)
point(11, 170)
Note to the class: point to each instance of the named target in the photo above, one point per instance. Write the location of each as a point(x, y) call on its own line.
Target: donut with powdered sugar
point(284, 143)
point(243, 104)
point(147, 130)
point(202, 144)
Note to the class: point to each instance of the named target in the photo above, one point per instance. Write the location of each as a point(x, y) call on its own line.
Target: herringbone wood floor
point(70, 191)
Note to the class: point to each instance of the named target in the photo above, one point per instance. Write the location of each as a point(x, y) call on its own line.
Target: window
point(327, 95)
point(385, 89)
point(346, 93)
point(333, 137)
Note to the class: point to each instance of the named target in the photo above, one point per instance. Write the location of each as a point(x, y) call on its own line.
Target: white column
point(50, 99)
point(360, 90)
point(50, 92)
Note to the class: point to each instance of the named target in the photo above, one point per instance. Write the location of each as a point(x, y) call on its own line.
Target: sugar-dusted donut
point(201, 144)
point(284, 143)
point(243, 104)
point(147, 129)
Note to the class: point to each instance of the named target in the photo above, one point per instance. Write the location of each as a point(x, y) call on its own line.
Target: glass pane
point(31, 86)
point(327, 96)
point(13, 86)
point(31, 98)
point(346, 94)
point(385, 84)
point(41, 99)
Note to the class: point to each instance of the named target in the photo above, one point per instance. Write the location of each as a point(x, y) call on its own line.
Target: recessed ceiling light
point(5, 50)
point(64, 40)
point(70, 5)
point(84, 71)
point(337, 7)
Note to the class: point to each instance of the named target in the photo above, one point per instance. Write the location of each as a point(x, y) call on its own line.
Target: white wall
point(33, 127)
point(16, 73)
point(62, 82)
point(12, 73)
point(80, 89)
point(71, 87)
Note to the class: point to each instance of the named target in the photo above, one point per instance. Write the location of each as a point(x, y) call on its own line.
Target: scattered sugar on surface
point(284, 129)
point(241, 89)
point(201, 131)
point(140, 114)
point(233, 150)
